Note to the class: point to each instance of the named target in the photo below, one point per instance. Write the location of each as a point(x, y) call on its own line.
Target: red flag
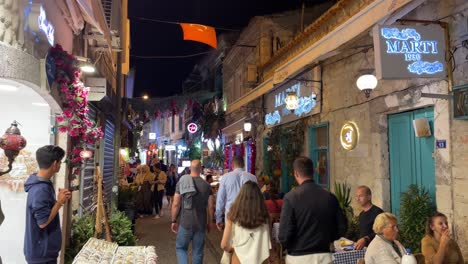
point(200, 33)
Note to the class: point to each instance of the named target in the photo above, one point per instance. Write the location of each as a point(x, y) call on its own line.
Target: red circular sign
point(192, 128)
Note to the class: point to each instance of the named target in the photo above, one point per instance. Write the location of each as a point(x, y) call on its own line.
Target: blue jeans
point(184, 237)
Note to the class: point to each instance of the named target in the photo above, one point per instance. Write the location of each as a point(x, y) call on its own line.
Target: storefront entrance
point(411, 160)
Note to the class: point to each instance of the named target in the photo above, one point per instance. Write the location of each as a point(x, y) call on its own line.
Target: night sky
point(164, 77)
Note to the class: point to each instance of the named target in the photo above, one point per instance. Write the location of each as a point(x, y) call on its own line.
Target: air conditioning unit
point(97, 88)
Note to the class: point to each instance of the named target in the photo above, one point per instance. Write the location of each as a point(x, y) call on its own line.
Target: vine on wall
point(284, 145)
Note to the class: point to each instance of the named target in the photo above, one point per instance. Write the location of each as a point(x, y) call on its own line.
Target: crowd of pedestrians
point(309, 216)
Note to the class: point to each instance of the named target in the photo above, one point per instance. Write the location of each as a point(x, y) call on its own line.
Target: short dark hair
point(157, 166)
point(239, 161)
point(304, 166)
point(47, 155)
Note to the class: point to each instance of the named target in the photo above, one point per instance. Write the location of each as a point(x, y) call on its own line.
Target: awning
point(360, 22)
point(76, 12)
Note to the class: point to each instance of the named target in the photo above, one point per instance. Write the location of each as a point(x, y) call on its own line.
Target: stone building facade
point(370, 162)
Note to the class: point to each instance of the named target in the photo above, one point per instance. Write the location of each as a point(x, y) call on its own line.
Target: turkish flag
point(200, 33)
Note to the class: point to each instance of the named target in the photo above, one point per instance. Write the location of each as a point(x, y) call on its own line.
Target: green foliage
point(353, 229)
point(122, 229)
point(82, 230)
point(286, 145)
point(343, 195)
point(194, 150)
point(415, 207)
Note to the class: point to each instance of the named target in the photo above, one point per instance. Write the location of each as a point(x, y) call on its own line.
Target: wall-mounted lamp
point(247, 126)
point(292, 101)
point(86, 65)
point(366, 82)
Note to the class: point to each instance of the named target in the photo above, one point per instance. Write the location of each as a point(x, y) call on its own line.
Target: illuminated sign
point(169, 147)
point(409, 51)
point(192, 128)
point(349, 135)
point(45, 26)
point(308, 96)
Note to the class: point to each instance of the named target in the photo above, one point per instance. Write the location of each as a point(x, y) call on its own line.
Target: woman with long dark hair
point(438, 246)
point(171, 184)
point(247, 233)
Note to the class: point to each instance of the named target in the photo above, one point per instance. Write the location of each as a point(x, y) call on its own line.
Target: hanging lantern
point(292, 101)
point(86, 154)
point(12, 142)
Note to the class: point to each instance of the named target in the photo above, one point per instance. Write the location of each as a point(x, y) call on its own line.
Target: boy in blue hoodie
point(43, 236)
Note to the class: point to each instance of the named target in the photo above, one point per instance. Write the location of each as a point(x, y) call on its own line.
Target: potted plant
point(415, 207)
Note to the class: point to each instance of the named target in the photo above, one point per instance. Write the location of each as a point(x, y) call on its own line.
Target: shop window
point(318, 151)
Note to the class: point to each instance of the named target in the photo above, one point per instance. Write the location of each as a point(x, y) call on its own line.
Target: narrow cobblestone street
point(157, 232)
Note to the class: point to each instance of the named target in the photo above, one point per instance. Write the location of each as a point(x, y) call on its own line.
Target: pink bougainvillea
point(74, 96)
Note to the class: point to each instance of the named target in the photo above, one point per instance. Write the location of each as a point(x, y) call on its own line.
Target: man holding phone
point(43, 236)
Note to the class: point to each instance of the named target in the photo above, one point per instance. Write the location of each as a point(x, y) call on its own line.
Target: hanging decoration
point(74, 96)
point(200, 33)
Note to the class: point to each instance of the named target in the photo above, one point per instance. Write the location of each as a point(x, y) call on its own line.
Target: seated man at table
point(366, 217)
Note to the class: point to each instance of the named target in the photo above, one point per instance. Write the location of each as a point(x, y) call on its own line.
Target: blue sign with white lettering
point(51, 69)
point(409, 52)
point(441, 143)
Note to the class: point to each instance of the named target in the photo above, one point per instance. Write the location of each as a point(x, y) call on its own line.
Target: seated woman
point(384, 248)
point(247, 233)
point(437, 246)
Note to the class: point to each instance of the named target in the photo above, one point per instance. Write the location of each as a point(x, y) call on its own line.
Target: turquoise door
point(411, 159)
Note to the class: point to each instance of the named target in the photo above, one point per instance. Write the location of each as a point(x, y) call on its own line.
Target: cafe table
point(341, 256)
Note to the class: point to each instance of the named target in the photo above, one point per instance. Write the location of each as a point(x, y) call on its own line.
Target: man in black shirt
point(366, 217)
point(311, 218)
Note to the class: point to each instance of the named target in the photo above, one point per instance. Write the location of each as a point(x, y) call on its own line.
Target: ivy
point(284, 145)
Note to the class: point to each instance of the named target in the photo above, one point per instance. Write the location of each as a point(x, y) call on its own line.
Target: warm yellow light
point(292, 101)
point(88, 68)
point(86, 154)
point(349, 135)
point(145, 97)
point(247, 126)
point(123, 152)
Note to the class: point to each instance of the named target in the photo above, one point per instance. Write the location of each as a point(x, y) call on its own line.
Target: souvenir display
point(97, 251)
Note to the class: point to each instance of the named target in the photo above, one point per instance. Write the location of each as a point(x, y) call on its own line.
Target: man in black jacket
point(311, 218)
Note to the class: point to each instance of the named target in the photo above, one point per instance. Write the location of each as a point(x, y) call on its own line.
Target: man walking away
point(43, 236)
point(229, 187)
point(366, 217)
point(189, 218)
point(311, 219)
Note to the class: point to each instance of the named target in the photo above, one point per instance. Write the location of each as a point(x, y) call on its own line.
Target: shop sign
point(349, 135)
point(403, 52)
point(37, 22)
point(308, 94)
point(169, 147)
point(192, 128)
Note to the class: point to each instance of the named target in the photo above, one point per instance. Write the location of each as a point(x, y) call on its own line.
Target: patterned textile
point(275, 232)
point(348, 257)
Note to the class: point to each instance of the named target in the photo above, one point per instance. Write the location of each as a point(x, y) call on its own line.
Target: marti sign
point(277, 113)
point(403, 52)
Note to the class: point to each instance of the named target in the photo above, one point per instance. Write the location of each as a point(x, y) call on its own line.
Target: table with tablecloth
point(339, 257)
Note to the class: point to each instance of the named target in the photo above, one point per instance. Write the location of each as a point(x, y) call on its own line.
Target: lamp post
point(366, 83)
point(12, 142)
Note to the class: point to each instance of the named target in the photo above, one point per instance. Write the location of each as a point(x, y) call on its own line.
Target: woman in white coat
point(384, 248)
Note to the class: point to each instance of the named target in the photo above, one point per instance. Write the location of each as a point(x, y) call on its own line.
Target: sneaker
point(161, 214)
point(156, 217)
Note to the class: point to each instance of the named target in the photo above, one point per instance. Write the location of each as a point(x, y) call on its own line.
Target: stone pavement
point(157, 232)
